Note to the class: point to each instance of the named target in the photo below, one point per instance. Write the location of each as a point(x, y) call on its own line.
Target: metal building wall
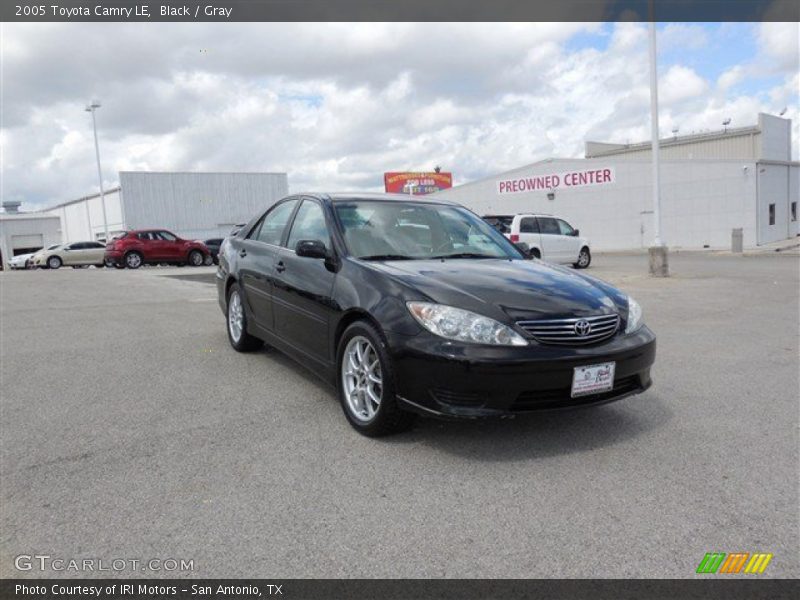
point(197, 205)
point(770, 139)
point(702, 201)
point(82, 220)
point(720, 146)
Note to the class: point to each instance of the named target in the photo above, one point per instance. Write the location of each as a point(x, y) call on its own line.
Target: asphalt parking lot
point(130, 429)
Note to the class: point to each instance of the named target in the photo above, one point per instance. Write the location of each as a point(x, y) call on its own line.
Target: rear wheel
point(133, 260)
point(54, 262)
point(237, 323)
point(584, 259)
point(366, 383)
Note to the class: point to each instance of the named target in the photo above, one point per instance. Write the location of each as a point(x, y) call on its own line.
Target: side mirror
point(311, 249)
point(576, 232)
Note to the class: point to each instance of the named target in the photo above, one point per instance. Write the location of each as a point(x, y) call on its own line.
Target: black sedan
point(213, 245)
point(417, 306)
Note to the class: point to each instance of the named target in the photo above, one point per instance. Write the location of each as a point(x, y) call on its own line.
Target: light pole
point(91, 108)
point(659, 265)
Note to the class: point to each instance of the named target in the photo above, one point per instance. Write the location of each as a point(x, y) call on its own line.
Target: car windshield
point(396, 230)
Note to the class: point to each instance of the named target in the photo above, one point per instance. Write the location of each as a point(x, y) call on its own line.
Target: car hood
point(519, 289)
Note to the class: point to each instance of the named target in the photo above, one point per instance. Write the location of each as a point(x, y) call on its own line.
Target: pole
point(654, 136)
point(659, 258)
point(99, 172)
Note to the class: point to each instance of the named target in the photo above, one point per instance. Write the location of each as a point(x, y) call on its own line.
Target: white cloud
point(680, 83)
point(335, 105)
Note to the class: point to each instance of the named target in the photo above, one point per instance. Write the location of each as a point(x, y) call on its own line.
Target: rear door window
point(273, 225)
point(528, 225)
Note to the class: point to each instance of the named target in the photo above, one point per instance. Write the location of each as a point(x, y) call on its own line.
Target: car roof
point(377, 196)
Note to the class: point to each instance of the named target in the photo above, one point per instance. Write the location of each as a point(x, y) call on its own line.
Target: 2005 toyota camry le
point(417, 306)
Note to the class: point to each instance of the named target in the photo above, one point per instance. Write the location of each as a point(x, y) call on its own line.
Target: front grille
point(561, 398)
point(577, 331)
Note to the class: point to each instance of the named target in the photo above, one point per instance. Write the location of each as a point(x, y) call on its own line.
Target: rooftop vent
point(11, 207)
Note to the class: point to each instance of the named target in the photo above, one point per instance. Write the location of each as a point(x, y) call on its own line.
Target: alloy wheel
point(583, 258)
point(235, 316)
point(362, 379)
point(133, 260)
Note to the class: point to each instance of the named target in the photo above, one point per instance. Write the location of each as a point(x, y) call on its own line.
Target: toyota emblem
point(583, 328)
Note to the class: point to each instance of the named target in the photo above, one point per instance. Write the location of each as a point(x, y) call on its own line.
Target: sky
point(335, 105)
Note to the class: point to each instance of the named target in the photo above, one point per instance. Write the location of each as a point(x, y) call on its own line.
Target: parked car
point(416, 305)
point(20, 261)
point(76, 254)
point(133, 249)
point(547, 237)
point(213, 248)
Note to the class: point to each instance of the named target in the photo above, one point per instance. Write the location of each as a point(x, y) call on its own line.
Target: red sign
point(417, 183)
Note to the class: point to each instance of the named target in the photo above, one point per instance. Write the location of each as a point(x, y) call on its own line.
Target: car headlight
point(462, 325)
point(634, 316)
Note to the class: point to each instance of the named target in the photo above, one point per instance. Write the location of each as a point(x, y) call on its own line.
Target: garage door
point(22, 244)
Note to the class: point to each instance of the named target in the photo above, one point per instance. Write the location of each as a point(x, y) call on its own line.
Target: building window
point(772, 214)
point(793, 211)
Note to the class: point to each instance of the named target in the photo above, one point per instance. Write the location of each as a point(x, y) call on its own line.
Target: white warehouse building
point(191, 205)
point(711, 183)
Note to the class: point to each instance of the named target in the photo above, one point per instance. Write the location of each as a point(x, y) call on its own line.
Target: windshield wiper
point(466, 255)
point(386, 257)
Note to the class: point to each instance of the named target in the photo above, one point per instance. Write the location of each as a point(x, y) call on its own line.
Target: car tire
point(54, 262)
point(208, 261)
point(535, 253)
point(240, 340)
point(133, 260)
point(584, 259)
point(196, 258)
point(357, 383)
point(100, 265)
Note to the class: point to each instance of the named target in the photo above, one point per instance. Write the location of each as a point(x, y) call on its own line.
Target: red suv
point(135, 248)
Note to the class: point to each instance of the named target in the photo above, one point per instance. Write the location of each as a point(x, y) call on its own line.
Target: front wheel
point(366, 383)
point(584, 259)
point(54, 262)
point(237, 323)
point(196, 258)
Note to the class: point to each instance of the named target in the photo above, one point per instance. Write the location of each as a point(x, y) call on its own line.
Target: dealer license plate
point(593, 379)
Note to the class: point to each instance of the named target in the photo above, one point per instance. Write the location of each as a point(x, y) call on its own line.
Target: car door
point(553, 248)
point(94, 253)
point(70, 254)
point(257, 254)
point(171, 246)
point(151, 245)
point(302, 298)
point(569, 241)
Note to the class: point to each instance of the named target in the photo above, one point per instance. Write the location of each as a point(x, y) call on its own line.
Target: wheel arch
point(350, 317)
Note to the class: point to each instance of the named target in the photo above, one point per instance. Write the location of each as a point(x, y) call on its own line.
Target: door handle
point(280, 267)
point(242, 252)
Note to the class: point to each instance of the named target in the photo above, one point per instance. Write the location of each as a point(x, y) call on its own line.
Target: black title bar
point(397, 10)
point(705, 587)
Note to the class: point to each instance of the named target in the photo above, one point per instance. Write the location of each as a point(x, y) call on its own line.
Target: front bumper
point(436, 377)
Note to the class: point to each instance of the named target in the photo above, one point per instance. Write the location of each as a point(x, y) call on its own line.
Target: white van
point(548, 237)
